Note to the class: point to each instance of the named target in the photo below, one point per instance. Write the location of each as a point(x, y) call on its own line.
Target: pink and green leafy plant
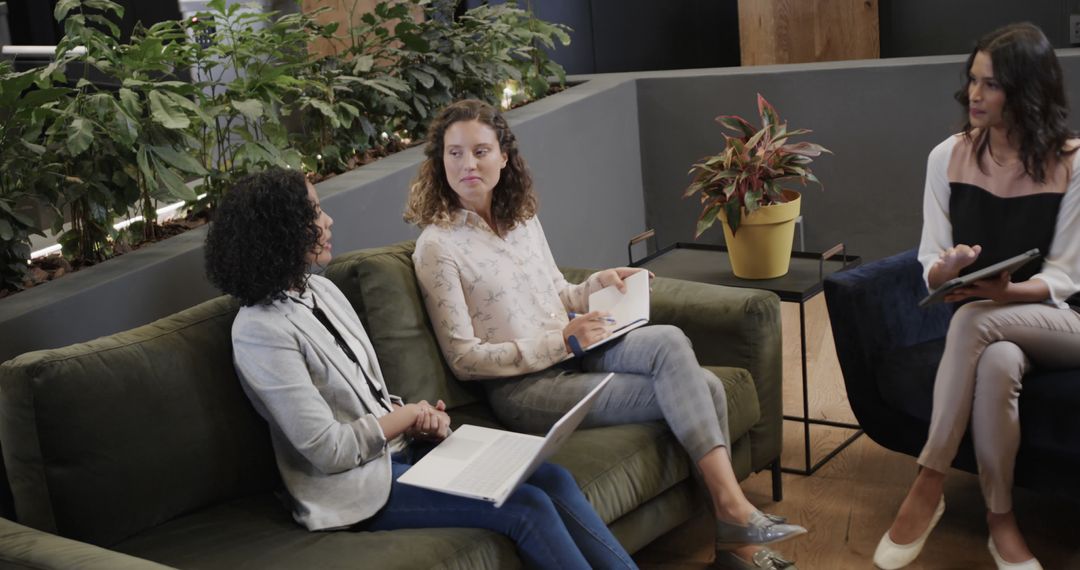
point(748, 173)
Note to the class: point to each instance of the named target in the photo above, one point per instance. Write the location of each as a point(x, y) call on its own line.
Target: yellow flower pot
point(761, 248)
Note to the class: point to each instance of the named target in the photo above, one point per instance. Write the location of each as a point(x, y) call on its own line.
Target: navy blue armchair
point(889, 351)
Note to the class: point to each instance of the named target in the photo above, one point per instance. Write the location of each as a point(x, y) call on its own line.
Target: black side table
point(710, 264)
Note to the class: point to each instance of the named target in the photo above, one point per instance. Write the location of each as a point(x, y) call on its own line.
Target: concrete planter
point(367, 203)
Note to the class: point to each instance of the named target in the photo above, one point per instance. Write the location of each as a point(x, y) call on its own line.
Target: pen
point(607, 320)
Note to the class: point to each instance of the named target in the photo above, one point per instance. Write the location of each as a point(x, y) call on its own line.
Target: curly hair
point(260, 237)
point(433, 201)
point(1036, 110)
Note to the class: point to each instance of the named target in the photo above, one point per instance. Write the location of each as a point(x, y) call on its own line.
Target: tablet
point(1010, 265)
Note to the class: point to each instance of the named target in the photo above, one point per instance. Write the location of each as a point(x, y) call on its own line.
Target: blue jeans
point(548, 518)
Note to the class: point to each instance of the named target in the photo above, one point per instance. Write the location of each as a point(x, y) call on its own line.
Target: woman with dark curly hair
point(340, 439)
point(499, 306)
point(1008, 183)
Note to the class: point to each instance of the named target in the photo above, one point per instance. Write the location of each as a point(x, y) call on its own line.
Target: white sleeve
point(1061, 266)
point(937, 227)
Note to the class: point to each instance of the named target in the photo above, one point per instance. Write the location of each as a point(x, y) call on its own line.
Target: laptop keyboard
point(489, 470)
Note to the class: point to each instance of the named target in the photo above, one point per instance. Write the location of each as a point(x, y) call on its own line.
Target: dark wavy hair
point(433, 201)
point(1036, 110)
point(260, 237)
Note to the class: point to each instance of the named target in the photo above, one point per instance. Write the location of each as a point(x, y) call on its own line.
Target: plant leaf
point(767, 112)
point(250, 108)
point(707, 219)
point(166, 112)
point(733, 211)
point(805, 149)
point(180, 160)
point(81, 136)
point(737, 124)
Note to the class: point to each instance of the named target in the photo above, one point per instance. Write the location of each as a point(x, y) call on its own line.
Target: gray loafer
point(764, 559)
point(759, 530)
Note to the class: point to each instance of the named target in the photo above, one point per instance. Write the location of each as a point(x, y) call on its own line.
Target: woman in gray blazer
point(340, 439)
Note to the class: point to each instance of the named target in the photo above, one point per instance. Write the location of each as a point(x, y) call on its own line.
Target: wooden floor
point(850, 501)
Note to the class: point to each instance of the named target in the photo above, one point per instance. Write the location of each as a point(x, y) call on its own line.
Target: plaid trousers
point(657, 377)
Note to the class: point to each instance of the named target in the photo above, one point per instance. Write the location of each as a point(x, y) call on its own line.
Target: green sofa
point(141, 446)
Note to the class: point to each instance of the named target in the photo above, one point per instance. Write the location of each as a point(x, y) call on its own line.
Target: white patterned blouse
point(498, 304)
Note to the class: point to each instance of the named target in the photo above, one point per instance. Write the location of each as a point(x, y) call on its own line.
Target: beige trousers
point(988, 349)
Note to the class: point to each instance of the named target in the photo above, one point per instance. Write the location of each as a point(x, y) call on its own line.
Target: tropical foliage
point(113, 129)
point(747, 174)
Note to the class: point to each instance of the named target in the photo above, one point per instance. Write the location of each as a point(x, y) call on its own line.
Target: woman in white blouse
point(500, 309)
point(1008, 183)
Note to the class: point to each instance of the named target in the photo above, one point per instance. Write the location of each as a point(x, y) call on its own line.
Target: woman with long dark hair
point(503, 313)
point(1008, 183)
point(340, 439)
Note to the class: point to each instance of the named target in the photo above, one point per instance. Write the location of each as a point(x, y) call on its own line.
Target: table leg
point(806, 420)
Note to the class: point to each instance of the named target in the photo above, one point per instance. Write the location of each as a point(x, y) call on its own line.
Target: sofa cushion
point(257, 532)
point(622, 467)
point(381, 285)
point(106, 438)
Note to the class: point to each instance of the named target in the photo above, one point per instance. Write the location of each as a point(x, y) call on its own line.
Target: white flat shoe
point(1032, 564)
point(891, 556)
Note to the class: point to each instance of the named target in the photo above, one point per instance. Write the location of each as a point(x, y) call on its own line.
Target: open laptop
point(489, 464)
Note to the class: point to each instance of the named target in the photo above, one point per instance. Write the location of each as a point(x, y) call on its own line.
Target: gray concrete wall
point(610, 158)
point(583, 148)
point(879, 117)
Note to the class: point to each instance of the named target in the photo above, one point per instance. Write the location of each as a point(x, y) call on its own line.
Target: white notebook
point(630, 310)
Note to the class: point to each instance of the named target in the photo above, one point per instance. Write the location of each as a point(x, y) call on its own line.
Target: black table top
point(707, 263)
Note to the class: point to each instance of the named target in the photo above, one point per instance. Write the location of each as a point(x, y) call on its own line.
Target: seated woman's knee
point(1001, 364)
point(969, 316)
point(666, 336)
point(531, 503)
point(555, 479)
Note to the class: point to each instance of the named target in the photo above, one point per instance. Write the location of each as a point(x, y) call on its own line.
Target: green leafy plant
point(245, 73)
point(113, 129)
point(154, 116)
point(747, 174)
point(345, 103)
point(27, 179)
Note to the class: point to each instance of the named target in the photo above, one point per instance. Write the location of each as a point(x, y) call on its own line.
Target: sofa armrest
point(24, 547)
point(873, 310)
point(729, 326)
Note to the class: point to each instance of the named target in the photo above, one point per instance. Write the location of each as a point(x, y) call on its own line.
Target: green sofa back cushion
point(381, 285)
point(106, 438)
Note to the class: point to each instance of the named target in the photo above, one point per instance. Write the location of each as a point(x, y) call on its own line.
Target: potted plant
point(742, 187)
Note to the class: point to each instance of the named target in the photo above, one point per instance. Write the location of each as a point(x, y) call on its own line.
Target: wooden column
point(340, 11)
point(798, 31)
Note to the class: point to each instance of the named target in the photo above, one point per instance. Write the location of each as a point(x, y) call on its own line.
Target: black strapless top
point(1004, 227)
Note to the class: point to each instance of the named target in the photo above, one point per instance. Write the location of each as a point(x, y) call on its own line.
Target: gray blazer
point(331, 452)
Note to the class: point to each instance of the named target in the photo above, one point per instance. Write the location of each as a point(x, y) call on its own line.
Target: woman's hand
point(1002, 290)
point(589, 329)
point(615, 276)
point(432, 423)
point(993, 288)
point(951, 261)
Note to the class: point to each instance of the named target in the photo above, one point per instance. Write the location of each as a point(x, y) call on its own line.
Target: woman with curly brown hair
point(340, 439)
point(499, 306)
point(1008, 183)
